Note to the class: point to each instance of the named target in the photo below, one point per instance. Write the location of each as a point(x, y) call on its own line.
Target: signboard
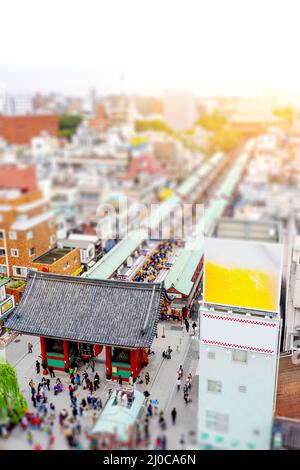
point(7, 306)
point(239, 332)
point(242, 274)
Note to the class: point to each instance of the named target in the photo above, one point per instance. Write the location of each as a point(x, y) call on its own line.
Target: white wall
point(250, 414)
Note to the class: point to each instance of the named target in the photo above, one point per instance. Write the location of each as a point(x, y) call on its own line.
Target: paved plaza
point(162, 387)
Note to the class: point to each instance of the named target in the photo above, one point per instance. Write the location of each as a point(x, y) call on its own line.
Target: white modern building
point(291, 334)
point(179, 109)
point(238, 366)
point(14, 105)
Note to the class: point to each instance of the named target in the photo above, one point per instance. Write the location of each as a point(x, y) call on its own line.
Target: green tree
point(224, 139)
point(156, 125)
point(12, 403)
point(68, 124)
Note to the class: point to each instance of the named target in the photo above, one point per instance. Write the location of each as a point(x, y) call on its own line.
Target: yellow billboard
point(242, 273)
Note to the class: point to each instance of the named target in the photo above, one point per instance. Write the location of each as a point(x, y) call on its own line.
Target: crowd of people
point(82, 386)
point(156, 262)
point(45, 416)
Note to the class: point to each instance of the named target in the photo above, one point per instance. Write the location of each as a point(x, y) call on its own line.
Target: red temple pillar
point(108, 362)
point(144, 358)
point(66, 354)
point(133, 362)
point(44, 355)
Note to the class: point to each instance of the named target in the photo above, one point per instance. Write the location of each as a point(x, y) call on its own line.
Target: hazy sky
point(211, 46)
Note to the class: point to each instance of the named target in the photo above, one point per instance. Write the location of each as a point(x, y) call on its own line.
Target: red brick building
point(28, 228)
point(20, 129)
point(27, 223)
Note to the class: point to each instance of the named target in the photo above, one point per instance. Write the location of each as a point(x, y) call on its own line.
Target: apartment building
point(27, 223)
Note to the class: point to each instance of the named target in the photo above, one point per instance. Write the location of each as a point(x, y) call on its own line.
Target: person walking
point(37, 366)
point(169, 352)
point(75, 412)
point(150, 410)
point(33, 399)
point(187, 325)
point(29, 437)
point(78, 381)
point(186, 397)
point(147, 378)
point(163, 442)
point(189, 379)
point(30, 347)
point(182, 441)
point(52, 408)
point(194, 326)
point(51, 371)
point(96, 381)
point(178, 382)
point(180, 372)
point(48, 384)
point(174, 415)
point(31, 384)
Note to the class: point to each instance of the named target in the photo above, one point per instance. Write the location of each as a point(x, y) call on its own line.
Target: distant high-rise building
point(18, 105)
point(179, 109)
point(93, 100)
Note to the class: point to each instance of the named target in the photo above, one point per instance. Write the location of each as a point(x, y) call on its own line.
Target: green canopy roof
point(116, 419)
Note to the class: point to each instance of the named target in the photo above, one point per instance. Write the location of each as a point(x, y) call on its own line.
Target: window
point(214, 386)
point(30, 235)
point(52, 239)
point(211, 355)
point(2, 252)
point(19, 271)
point(14, 253)
point(31, 251)
point(75, 260)
point(242, 388)
point(217, 421)
point(12, 235)
point(67, 265)
point(239, 356)
point(1, 234)
point(3, 269)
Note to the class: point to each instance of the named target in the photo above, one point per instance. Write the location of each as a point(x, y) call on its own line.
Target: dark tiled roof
point(89, 310)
